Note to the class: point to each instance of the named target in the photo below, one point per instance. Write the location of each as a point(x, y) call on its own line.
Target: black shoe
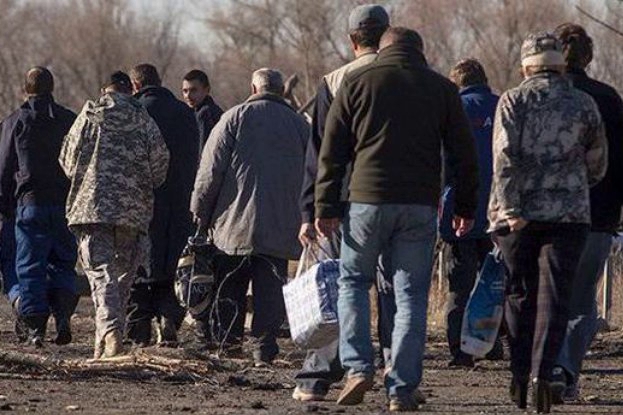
point(541, 396)
point(20, 327)
point(63, 306)
point(139, 332)
point(519, 392)
point(36, 325)
point(497, 353)
point(558, 384)
point(462, 360)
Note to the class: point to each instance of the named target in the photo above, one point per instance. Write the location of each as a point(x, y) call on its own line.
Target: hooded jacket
point(29, 148)
point(115, 157)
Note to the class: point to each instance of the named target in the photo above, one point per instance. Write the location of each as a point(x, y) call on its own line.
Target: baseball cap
point(542, 49)
point(367, 16)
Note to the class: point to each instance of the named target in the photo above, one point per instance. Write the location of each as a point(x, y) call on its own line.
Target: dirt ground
point(235, 387)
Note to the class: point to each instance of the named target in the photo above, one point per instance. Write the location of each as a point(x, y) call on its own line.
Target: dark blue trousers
point(46, 256)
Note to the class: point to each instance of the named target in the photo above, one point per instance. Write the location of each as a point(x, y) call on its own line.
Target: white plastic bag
point(485, 308)
point(311, 301)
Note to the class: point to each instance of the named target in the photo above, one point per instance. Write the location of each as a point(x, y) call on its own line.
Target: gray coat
point(249, 180)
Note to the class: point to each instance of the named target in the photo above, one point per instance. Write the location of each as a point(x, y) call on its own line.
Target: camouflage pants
point(110, 256)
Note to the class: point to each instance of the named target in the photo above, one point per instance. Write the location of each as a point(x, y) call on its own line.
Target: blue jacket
point(479, 104)
point(31, 141)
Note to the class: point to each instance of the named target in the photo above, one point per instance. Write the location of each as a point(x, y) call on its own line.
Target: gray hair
point(268, 80)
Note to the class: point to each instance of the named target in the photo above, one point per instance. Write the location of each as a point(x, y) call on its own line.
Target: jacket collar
point(576, 73)
point(207, 102)
point(40, 103)
point(403, 55)
point(267, 96)
point(549, 76)
point(153, 90)
point(475, 89)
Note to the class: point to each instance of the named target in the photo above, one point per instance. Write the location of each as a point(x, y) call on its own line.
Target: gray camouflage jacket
point(249, 180)
point(115, 157)
point(549, 147)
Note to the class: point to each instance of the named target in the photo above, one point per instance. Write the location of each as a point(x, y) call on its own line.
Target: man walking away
point(196, 91)
point(366, 25)
point(606, 199)
point(115, 157)
point(30, 173)
point(468, 253)
point(391, 119)
point(549, 146)
point(152, 294)
point(247, 191)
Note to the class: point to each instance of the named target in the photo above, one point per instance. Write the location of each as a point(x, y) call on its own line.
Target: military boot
point(35, 325)
point(63, 305)
point(167, 332)
point(113, 345)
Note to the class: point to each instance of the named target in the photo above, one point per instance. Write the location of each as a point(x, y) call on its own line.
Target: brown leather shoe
point(355, 388)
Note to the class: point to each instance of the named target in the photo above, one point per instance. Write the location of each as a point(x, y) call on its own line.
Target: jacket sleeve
point(215, 161)
point(336, 152)
point(321, 108)
point(460, 156)
point(8, 168)
point(596, 147)
point(72, 145)
point(158, 153)
point(506, 160)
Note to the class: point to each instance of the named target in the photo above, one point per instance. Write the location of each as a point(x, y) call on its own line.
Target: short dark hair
point(368, 37)
point(145, 74)
point(119, 81)
point(38, 81)
point(577, 45)
point(198, 75)
point(402, 35)
point(468, 72)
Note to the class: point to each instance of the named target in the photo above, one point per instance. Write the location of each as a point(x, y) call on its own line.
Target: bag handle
point(307, 255)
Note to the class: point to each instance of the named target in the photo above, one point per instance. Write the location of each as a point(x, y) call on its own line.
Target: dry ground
point(63, 383)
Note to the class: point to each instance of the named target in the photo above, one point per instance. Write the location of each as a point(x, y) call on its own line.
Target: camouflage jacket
point(115, 157)
point(549, 147)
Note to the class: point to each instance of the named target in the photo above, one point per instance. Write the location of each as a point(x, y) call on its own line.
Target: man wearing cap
point(33, 189)
point(247, 192)
point(366, 25)
point(549, 147)
point(391, 120)
point(115, 157)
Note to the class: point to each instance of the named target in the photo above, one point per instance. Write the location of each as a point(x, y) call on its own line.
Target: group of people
point(396, 154)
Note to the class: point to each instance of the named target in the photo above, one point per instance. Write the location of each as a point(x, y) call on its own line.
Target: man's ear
point(253, 89)
point(354, 46)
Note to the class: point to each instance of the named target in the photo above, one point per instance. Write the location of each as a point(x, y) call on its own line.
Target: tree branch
point(599, 21)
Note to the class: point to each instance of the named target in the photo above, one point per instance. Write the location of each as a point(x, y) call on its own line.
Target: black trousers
point(233, 274)
point(542, 259)
point(466, 259)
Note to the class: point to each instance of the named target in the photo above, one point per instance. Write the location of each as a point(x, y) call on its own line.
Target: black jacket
point(178, 126)
point(208, 113)
point(392, 118)
point(30, 144)
point(607, 195)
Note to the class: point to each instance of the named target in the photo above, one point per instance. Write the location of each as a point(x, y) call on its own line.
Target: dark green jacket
point(393, 118)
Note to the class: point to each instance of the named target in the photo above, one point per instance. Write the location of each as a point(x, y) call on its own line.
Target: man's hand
point(326, 227)
point(307, 234)
point(516, 224)
point(462, 226)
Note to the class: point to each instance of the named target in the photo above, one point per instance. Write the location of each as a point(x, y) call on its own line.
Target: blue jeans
point(582, 325)
point(405, 234)
point(46, 256)
point(7, 260)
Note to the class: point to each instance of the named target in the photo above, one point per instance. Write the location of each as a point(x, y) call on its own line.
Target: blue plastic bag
point(485, 308)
